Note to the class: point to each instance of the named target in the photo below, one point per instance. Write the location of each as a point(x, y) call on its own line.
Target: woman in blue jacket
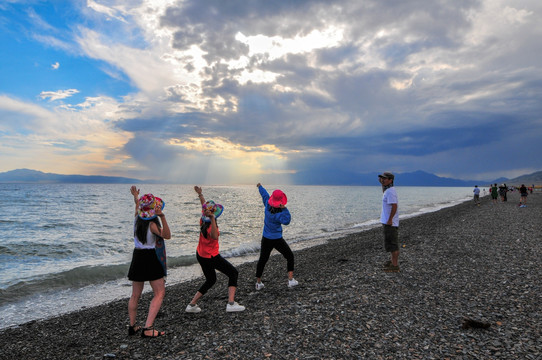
point(276, 215)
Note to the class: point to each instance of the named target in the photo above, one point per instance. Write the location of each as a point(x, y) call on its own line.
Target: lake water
point(68, 246)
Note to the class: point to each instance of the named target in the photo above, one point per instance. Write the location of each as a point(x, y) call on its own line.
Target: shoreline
point(460, 261)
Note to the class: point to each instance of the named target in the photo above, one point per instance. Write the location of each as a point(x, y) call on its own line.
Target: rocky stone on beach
point(467, 262)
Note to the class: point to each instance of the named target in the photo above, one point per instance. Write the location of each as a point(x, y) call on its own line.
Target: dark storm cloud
point(413, 80)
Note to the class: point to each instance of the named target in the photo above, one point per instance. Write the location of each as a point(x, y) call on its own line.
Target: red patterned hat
point(148, 204)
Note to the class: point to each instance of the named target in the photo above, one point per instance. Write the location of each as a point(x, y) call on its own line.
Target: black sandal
point(133, 329)
point(158, 333)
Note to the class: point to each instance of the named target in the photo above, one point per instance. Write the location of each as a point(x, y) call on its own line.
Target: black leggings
point(267, 246)
point(209, 265)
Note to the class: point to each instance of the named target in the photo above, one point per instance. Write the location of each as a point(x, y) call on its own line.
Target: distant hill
point(422, 178)
point(34, 176)
point(416, 178)
point(528, 180)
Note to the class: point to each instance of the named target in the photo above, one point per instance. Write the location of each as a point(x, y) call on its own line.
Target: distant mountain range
point(34, 176)
point(529, 179)
point(416, 178)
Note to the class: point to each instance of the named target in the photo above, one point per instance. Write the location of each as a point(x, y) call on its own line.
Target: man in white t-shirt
point(390, 221)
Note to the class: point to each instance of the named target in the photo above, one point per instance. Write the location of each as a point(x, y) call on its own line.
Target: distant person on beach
point(209, 258)
point(276, 215)
point(502, 192)
point(523, 193)
point(494, 193)
point(476, 192)
point(390, 221)
point(148, 260)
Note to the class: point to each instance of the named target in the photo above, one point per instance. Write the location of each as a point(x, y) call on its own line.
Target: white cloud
point(58, 95)
point(257, 76)
point(277, 46)
point(67, 141)
point(109, 11)
point(55, 66)
point(19, 114)
point(144, 67)
point(55, 42)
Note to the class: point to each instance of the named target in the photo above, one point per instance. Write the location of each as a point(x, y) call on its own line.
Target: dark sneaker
point(386, 264)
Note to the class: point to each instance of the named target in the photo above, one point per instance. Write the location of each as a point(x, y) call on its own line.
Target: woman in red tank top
point(209, 257)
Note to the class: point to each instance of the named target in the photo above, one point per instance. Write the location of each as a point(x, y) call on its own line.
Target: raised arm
point(214, 228)
point(135, 192)
point(200, 195)
point(264, 194)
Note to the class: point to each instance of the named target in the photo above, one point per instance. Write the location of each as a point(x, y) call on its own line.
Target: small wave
point(367, 223)
point(180, 261)
point(8, 221)
point(434, 208)
point(77, 278)
point(4, 250)
point(23, 250)
point(57, 225)
point(245, 249)
point(74, 278)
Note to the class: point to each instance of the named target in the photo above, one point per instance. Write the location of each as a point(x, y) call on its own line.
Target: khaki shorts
point(391, 238)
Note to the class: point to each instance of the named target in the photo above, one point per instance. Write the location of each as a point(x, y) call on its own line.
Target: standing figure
point(276, 215)
point(502, 192)
point(476, 192)
point(148, 260)
point(494, 193)
point(523, 193)
point(390, 221)
point(209, 257)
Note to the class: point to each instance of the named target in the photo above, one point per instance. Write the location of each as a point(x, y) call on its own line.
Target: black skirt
point(145, 266)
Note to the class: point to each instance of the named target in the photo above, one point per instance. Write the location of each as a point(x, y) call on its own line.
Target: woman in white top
point(146, 265)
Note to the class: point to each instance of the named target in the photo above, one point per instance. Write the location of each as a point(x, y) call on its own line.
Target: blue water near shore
point(68, 246)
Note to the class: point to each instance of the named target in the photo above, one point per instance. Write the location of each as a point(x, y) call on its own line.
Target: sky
point(277, 92)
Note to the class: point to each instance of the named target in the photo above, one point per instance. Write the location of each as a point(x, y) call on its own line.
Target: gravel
point(460, 267)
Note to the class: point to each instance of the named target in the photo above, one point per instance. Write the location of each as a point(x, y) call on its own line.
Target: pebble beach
point(469, 288)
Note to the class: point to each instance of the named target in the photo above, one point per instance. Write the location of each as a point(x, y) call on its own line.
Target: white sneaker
point(259, 285)
point(193, 309)
point(235, 307)
point(292, 283)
